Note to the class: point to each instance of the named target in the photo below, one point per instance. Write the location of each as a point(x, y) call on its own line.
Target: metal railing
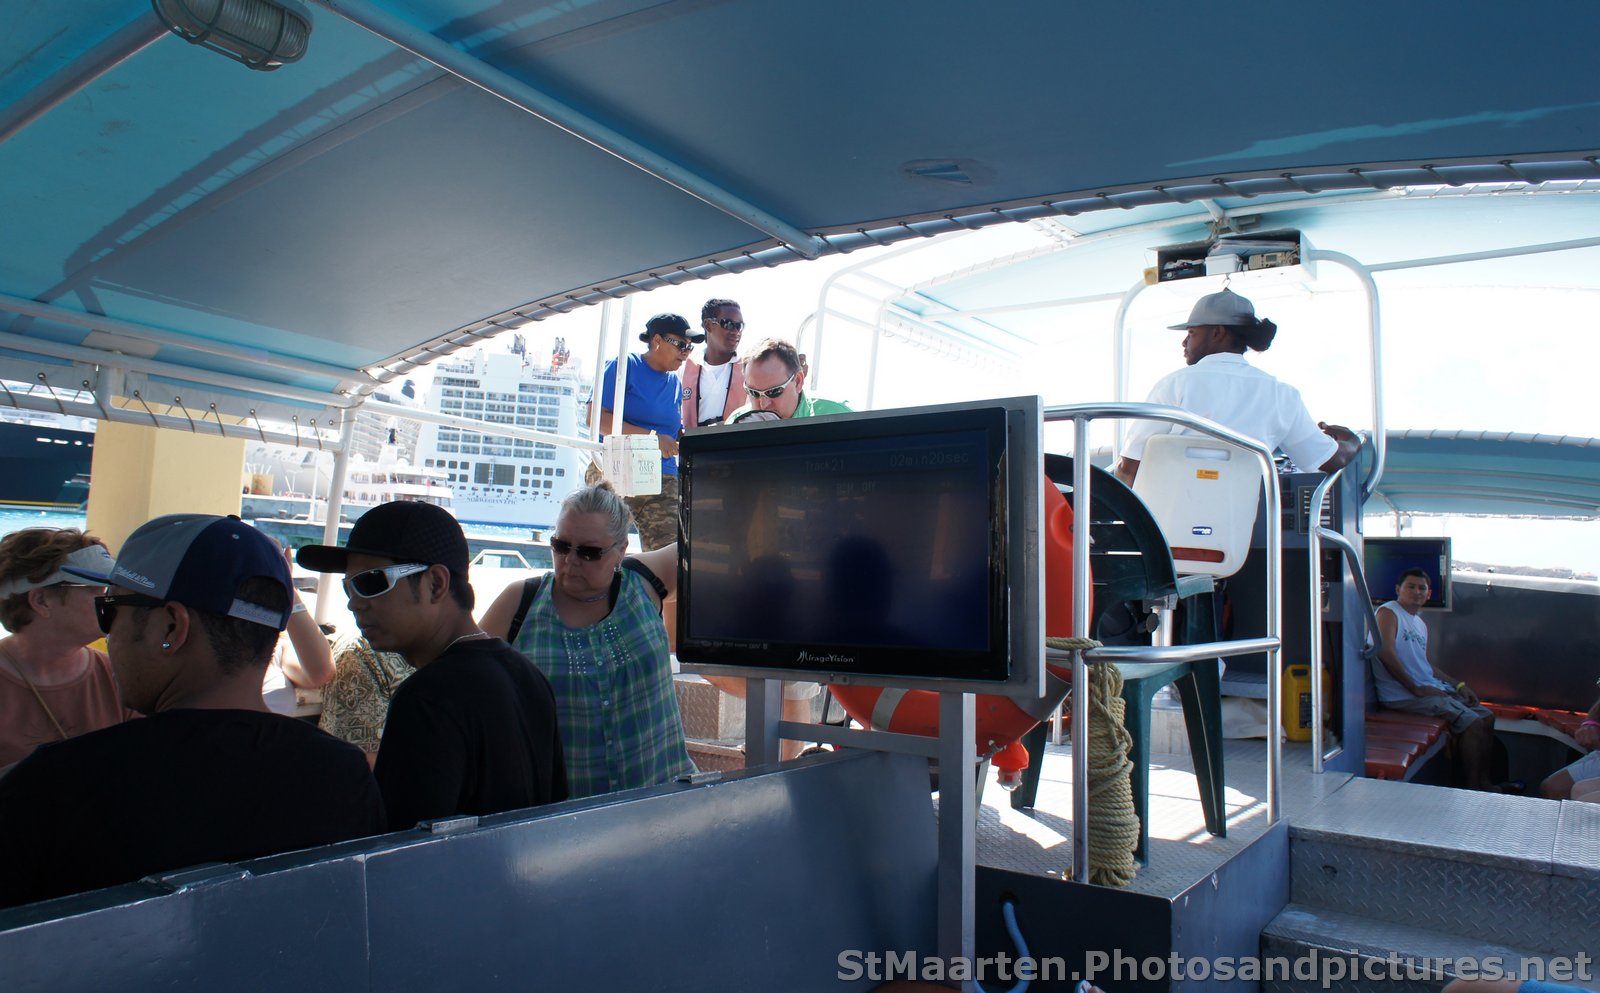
point(1081, 415)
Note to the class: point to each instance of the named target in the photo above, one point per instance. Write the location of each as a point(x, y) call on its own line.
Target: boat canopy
point(205, 242)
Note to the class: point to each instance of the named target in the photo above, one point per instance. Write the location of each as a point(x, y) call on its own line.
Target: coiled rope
point(1113, 827)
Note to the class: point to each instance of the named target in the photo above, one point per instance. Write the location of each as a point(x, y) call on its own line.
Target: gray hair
point(601, 499)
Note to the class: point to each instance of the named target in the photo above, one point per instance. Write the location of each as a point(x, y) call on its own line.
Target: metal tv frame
point(1022, 467)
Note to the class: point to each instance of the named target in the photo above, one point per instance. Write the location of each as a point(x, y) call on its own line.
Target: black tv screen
point(1384, 559)
point(875, 545)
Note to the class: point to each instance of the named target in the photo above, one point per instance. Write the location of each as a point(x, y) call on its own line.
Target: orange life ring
point(1000, 721)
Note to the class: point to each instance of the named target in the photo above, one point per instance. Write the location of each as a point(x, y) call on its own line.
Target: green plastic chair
point(1130, 563)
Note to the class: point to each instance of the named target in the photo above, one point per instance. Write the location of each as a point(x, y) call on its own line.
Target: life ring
point(1001, 721)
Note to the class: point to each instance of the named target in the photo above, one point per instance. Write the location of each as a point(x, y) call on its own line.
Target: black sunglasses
point(728, 323)
point(681, 344)
point(105, 607)
point(589, 553)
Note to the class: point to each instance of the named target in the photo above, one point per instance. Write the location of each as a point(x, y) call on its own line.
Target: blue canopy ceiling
point(1479, 472)
point(363, 208)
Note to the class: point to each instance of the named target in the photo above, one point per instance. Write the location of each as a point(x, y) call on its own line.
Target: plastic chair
point(1130, 564)
point(1203, 494)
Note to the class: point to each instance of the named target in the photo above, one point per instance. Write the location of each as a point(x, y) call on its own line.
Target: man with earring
point(473, 730)
point(194, 609)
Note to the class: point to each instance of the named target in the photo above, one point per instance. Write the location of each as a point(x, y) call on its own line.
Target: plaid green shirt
point(620, 725)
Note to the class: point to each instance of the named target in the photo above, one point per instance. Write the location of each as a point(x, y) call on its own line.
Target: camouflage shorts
point(656, 516)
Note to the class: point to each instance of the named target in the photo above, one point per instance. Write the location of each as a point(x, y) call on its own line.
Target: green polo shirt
point(808, 406)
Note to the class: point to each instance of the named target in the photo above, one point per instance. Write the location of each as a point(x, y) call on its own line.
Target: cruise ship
point(497, 479)
point(44, 460)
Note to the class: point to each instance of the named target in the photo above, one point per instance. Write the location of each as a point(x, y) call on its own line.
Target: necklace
point(17, 668)
point(474, 636)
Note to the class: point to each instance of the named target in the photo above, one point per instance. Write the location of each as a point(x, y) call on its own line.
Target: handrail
point(1314, 531)
point(1081, 415)
point(1316, 534)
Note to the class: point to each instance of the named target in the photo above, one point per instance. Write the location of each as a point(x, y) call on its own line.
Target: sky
point(1467, 357)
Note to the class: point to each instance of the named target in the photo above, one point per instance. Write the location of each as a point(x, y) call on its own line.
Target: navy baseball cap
point(201, 560)
point(405, 530)
point(669, 324)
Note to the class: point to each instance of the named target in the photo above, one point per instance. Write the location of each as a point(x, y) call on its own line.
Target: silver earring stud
point(166, 644)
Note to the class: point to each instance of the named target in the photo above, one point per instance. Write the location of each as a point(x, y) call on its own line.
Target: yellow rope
point(1113, 828)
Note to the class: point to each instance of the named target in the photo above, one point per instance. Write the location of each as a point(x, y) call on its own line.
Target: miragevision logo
point(828, 659)
point(1201, 530)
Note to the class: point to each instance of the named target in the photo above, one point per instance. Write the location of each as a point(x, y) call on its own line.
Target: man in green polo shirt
point(774, 382)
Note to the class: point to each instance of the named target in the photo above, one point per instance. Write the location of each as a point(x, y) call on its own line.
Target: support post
point(957, 826)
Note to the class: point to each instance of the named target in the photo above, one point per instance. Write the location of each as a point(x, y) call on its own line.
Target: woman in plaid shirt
point(594, 628)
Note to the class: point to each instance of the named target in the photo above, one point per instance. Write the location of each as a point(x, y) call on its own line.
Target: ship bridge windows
point(494, 474)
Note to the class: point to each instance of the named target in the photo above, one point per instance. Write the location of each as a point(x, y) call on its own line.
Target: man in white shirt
point(713, 388)
point(1220, 385)
point(1406, 679)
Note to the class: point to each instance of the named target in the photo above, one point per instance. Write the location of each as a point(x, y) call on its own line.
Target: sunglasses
point(105, 607)
point(589, 553)
point(728, 323)
point(377, 582)
point(681, 344)
point(773, 393)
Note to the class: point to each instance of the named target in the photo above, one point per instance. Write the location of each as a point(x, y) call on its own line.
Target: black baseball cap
point(405, 530)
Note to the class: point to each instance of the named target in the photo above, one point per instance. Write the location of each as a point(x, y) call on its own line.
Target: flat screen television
point(890, 548)
point(1384, 559)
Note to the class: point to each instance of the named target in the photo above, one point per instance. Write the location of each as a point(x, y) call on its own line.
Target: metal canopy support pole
point(599, 368)
point(1120, 360)
point(327, 586)
point(158, 336)
point(1080, 629)
point(1369, 287)
point(957, 827)
point(552, 111)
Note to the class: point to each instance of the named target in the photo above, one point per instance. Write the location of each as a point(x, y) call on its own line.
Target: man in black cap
point(195, 606)
point(652, 403)
point(473, 731)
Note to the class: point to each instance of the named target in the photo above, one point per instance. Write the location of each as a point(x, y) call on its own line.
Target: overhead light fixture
point(263, 34)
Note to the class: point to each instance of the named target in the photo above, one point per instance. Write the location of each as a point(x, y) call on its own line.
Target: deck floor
point(1039, 841)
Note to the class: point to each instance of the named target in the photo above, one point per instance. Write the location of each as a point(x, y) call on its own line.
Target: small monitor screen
point(1384, 559)
point(873, 546)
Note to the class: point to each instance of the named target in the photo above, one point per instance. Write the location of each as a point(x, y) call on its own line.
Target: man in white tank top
point(1408, 681)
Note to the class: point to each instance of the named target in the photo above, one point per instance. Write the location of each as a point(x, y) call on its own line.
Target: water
point(17, 520)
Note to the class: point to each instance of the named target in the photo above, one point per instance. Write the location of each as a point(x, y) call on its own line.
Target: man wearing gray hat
point(653, 403)
point(194, 607)
point(1220, 385)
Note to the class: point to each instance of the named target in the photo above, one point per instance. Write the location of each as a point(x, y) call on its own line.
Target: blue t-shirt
point(652, 402)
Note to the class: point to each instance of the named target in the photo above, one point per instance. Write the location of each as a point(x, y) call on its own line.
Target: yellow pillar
point(140, 472)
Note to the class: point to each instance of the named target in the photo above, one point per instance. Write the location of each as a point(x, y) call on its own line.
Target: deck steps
point(1353, 953)
point(1424, 873)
